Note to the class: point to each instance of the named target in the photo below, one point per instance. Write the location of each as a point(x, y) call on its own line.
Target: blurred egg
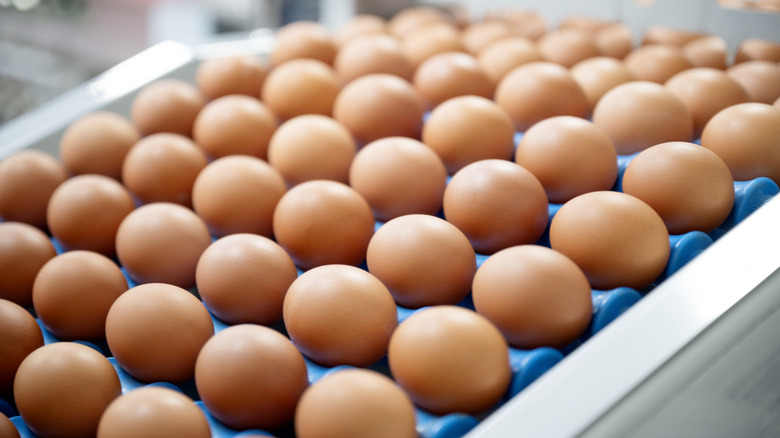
point(569, 156)
point(97, 143)
point(21, 336)
point(478, 35)
point(598, 75)
point(167, 105)
point(657, 62)
point(7, 428)
point(156, 330)
point(359, 25)
point(526, 23)
point(250, 376)
point(73, 292)
point(451, 74)
point(321, 222)
point(232, 125)
point(24, 249)
point(162, 168)
point(707, 51)
point(62, 389)
point(409, 19)
point(303, 39)
point(753, 49)
point(431, 40)
point(340, 315)
point(614, 40)
point(423, 260)
point(567, 47)
point(352, 403)
point(502, 56)
point(162, 242)
point(225, 75)
point(538, 90)
point(450, 359)
point(27, 180)
point(153, 412)
point(761, 79)
point(583, 23)
point(777, 103)
point(372, 54)
point(301, 86)
point(666, 35)
point(237, 194)
point(496, 204)
point(616, 239)
point(242, 278)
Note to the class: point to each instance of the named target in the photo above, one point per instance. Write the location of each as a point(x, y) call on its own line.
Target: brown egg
point(669, 36)
point(232, 389)
point(753, 49)
point(478, 35)
point(23, 250)
point(598, 75)
point(372, 54)
point(451, 74)
point(162, 168)
point(85, 211)
point(21, 336)
point(233, 125)
point(398, 176)
point(587, 24)
point(689, 186)
point(569, 156)
point(450, 359)
point(707, 51)
point(379, 105)
point(359, 25)
point(303, 39)
point(97, 143)
point(301, 86)
point(238, 194)
point(640, 114)
point(538, 90)
point(156, 330)
point(167, 105)
point(243, 278)
point(73, 292)
point(322, 222)
point(614, 40)
point(657, 62)
point(616, 239)
point(355, 402)
point(312, 147)
point(62, 389)
point(153, 412)
point(761, 79)
point(431, 40)
point(407, 20)
point(502, 56)
point(568, 46)
point(746, 137)
point(340, 315)
point(526, 23)
point(7, 428)
point(496, 204)
point(27, 180)
point(225, 75)
point(162, 242)
point(705, 91)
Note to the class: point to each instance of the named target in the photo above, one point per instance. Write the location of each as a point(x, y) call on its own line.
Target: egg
point(568, 46)
point(615, 238)
point(153, 412)
point(250, 376)
point(162, 242)
point(167, 105)
point(614, 40)
point(73, 292)
point(238, 194)
point(761, 79)
point(753, 49)
point(538, 90)
point(85, 211)
point(27, 180)
point(478, 35)
point(412, 18)
point(62, 389)
point(21, 336)
point(340, 315)
point(372, 54)
point(303, 39)
point(24, 249)
point(657, 62)
point(423, 260)
point(450, 359)
point(451, 74)
point(235, 125)
point(569, 156)
point(431, 40)
point(358, 25)
point(97, 143)
point(243, 278)
point(666, 35)
point(526, 23)
point(466, 129)
point(7, 428)
point(502, 56)
point(156, 330)
point(355, 402)
point(225, 75)
point(598, 75)
point(707, 51)
point(301, 86)
point(496, 204)
point(586, 24)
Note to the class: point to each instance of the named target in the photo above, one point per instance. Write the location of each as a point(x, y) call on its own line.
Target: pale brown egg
point(301, 86)
point(657, 62)
point(340, 315)
point(73, 292)
point(167, 105)
point(23, 250)
point(21, 336)
point(478, 35)
point(502, 56)
point(156, 330)
point(407, 20)
point(598, 75)
point(451, 74)
point(372, 54)
point(587, 24)
point(614, 40)
point(97, 143)
point(761, 79)
point(567, 47)
point(250, 377)
point(431, 40)
point(359, 25)
point(707, 51)
point(303, 39)
point(753, 49)
point(235, 125)
point(225, 75)
point(669, 35)
point(27, 180)
point(355, 402)
point(526, 23)
point(616, 239)
point(450, 359)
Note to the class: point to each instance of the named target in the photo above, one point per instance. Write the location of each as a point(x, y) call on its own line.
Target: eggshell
point(167, 105)
point(153, 412)
point(431, 40)
point(478, 35)
point(616, 239)
point(372, 54)
point(614, 40)
point(21, 336)
point(24, 249)
point(225, 75)
point(568, 46)
point(451, 74)
point(657, 62)
point(761, 79)
point(97, 143)
point(355, 402)
point(62, 389)
point(27, 180)
point(598, 75)
point(502, 56)
point(753, 49)
point(7, 428)
point(156, 330)
point(358, 25)
point(450, 359)
point(233, 125)
point(707, 51)
point(303, 39)
point(412, 18)
point(250, 376)
point(301, 86)
point(340, 315)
